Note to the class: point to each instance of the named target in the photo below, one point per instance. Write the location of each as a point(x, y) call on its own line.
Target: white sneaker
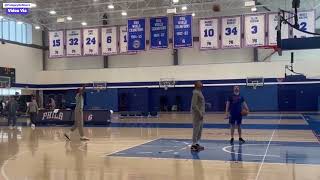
point(83, 138)
point(33, 126)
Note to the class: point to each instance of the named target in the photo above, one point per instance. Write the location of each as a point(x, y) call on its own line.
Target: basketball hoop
point(167, 83)
point(255, 82)
point(99, 86)
point(274, 47)
point(280, 79)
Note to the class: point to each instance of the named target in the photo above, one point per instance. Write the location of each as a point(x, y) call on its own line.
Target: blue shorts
point(235, 120)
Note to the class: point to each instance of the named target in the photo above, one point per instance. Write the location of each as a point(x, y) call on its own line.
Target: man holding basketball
point(236, 107)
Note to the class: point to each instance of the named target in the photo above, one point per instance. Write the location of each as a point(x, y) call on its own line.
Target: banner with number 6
point(109, 41)
point(73, 43)
point(231, 31)
point(254, 30)
point(90, 42)
point(209, 33)
point(56, 44)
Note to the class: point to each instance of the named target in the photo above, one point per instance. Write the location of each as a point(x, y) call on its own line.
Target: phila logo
point(52, 115)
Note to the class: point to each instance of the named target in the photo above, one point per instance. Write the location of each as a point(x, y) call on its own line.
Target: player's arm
point(245, 106)
point(194, 103)
point(227, 108)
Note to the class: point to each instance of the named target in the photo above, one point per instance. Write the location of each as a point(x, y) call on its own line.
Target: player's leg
point(232, 128)
point(74, 127)
point(10, 121)
point(14, 120)
point(239, 123)
point(200, 134)
point(196, 129)
point(33, 117)
point(80, 127)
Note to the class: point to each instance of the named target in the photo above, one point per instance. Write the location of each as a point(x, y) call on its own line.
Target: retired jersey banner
point(56, 44)
point(273, 20)
point(231, 31)
point(109, 41)
point(209, 33)
point(91, 42)
point(254, 30)
point(159, 33)
point(123, 40)
point(182, 31)
point(73, 43)
point(136, 34)
point(306, 22)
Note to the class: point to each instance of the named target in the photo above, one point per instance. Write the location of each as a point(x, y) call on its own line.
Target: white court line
point(5, 163)
point(105, 155)
point(265, 154)
point(225, 149)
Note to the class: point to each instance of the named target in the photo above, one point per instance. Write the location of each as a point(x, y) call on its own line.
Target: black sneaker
point(242, 140)
point(200, 148)
point(67, 137)
point(231, 140)
point(194, 148)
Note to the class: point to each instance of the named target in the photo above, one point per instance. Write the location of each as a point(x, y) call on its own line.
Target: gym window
point(13, 30)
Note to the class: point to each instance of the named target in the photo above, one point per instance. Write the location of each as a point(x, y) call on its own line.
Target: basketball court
point(134, 64)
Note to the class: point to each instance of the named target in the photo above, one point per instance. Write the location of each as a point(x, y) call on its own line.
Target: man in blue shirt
point(234, 108)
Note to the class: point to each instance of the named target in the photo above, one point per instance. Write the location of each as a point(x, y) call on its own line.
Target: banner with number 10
point(209, 33)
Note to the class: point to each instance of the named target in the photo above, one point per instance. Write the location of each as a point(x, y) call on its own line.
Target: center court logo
point(18, 8)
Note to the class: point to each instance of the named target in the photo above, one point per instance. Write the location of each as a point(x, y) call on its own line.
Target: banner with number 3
point(91, 42)
point(254, 30)
point(109, 41)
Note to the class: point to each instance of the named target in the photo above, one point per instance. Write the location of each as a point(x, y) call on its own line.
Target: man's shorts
point(236, 120)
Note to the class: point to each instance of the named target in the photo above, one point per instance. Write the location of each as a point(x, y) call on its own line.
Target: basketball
point(216, 8)
point(244, 112)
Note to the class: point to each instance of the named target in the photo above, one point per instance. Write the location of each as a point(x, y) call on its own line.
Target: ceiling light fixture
point(124, 13)
point(52, 12)
point(69, 18)
point(19, 22)
point(175, 1)
point(83, 23)
point(37, 27)
point(184, 8)
point(254, 9)
point(111, 6)
point(193, 14)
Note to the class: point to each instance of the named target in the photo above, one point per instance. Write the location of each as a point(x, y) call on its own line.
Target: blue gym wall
point(295, 97)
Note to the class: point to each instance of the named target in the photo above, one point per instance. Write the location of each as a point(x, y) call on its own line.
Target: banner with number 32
point(73, 43)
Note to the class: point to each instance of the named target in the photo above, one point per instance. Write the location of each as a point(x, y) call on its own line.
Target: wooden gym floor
point(279, 146)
